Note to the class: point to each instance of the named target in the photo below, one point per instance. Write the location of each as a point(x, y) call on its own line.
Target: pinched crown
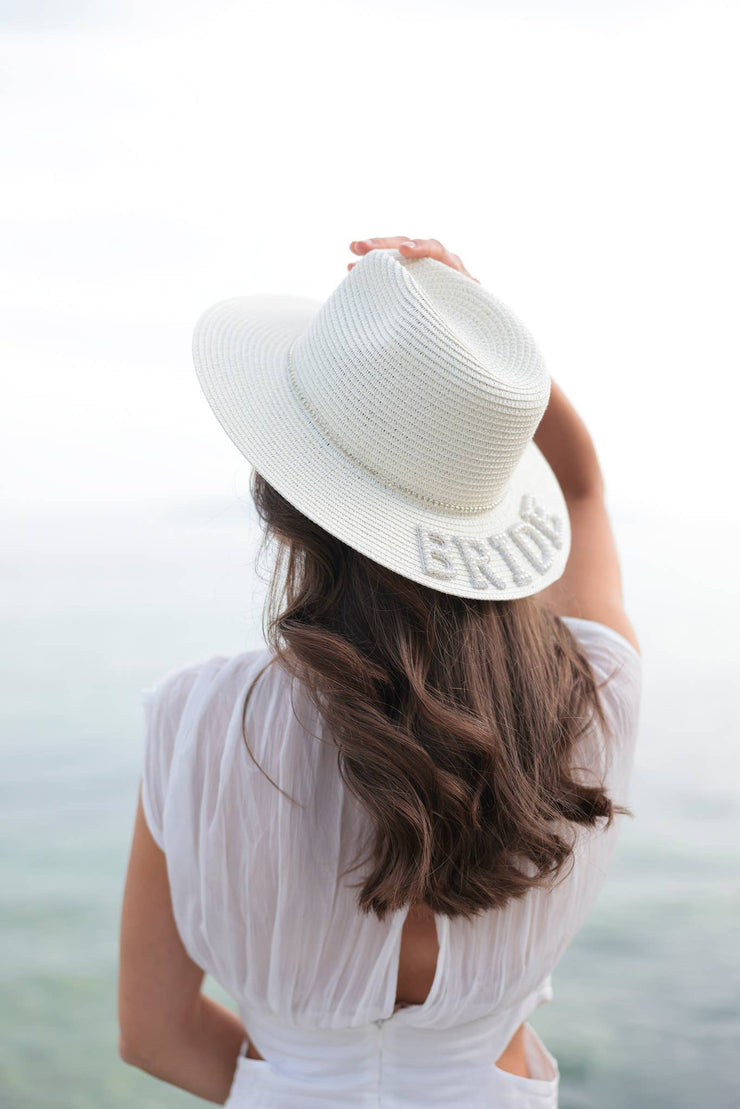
point(423, 379)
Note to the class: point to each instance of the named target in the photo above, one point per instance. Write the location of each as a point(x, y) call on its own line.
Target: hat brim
point(240, 351)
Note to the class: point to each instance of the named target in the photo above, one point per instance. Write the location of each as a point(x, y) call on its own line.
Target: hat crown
point(423, 378)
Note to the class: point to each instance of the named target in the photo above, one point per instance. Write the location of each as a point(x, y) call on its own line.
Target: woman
point(381, 832)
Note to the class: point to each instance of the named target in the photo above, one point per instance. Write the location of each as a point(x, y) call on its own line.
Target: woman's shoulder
point(199, 681)
point(617, 668)
point(602, 642)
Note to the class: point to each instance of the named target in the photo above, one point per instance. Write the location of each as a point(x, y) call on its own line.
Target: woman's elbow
point(138, 1049)
point(130, 1051)
point(126, 1050)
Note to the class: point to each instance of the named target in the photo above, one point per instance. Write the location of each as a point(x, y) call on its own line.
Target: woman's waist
point(399, 1066)
point(404, 1046)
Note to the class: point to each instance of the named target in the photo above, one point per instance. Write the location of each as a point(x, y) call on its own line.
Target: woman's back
point(450, 694)
point(261, 903)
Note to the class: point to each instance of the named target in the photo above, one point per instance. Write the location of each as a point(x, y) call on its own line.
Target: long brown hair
point(454, 719)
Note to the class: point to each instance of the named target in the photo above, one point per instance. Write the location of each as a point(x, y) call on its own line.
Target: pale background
point(155, 158)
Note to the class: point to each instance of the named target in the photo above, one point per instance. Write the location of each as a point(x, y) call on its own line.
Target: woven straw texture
point(398, 414)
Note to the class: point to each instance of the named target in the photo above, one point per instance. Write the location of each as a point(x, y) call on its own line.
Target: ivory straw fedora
point(399, 415)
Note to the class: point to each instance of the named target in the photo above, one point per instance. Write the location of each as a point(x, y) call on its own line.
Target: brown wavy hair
point(454, 719)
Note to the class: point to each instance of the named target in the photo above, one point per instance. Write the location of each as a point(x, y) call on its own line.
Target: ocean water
point(99, 603)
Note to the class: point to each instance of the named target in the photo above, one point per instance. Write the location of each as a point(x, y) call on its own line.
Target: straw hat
point(398, 414)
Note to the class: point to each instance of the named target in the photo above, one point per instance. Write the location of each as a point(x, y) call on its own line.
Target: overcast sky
point(580, 157)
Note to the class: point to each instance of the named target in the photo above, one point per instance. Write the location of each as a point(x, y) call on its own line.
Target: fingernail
point(409, 243)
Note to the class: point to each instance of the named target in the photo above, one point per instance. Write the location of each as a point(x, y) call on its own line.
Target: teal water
point(98, 605)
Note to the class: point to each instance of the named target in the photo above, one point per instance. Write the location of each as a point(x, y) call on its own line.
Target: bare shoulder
point(590, 587)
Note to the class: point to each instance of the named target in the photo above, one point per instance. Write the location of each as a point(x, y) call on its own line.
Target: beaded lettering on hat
point(496, 561)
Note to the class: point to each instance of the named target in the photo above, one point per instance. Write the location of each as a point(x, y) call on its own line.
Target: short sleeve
point(164, 707)
point(618, 670)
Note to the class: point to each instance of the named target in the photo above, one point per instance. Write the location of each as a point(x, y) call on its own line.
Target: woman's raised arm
point(591, 584)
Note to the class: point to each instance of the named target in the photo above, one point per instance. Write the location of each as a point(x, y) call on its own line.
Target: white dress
point(260, 905)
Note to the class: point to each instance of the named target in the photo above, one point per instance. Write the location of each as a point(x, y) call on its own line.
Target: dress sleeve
point(163, 706)
point(618, 669)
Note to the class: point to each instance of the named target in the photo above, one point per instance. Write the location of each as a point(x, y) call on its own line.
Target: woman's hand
point(411, 248)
